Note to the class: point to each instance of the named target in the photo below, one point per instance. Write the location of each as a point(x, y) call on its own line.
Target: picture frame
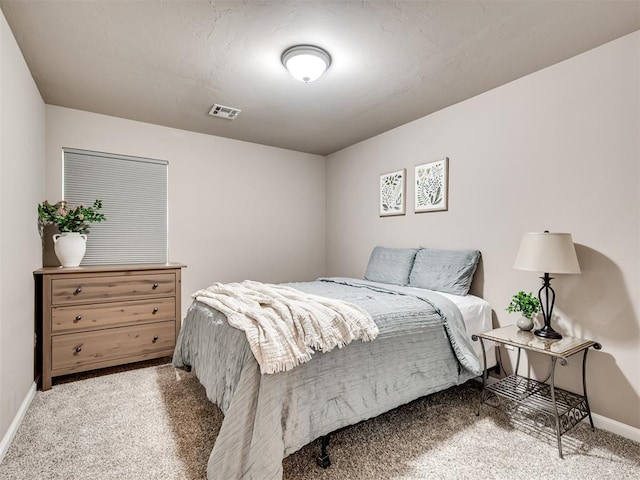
point(393, 188)
point(431, 182)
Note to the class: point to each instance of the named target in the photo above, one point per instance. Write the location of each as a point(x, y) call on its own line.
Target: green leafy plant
point(524, 303)
point(70, 218)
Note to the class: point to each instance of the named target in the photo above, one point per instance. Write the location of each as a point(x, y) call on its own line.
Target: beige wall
point(22, 129)
point(237, 210)
point(557, 150)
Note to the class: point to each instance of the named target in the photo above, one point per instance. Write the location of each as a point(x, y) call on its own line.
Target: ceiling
point(168, 62)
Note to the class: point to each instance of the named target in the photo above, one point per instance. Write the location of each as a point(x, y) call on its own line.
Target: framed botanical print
point(392, 193)
point(431, 186)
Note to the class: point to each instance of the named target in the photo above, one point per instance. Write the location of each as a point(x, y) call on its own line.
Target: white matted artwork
point(432, 186)
point(392, 193)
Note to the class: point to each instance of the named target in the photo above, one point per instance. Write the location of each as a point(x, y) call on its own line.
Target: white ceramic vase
point(525, 324)
point(70, 248)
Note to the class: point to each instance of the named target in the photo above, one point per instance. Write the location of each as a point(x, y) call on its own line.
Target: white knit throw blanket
point(283, 325)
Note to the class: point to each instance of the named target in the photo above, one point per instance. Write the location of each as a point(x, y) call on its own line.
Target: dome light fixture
point(306, 62)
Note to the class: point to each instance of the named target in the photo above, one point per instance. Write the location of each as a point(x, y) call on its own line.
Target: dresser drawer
point(80, 349)
point(66, 291)
point(102, 315)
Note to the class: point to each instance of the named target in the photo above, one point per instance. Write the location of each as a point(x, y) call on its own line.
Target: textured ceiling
point(168, 62)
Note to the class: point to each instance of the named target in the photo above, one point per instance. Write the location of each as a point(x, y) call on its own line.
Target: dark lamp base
point(547, 332)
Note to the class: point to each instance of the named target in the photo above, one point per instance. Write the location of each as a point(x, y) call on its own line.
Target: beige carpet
point(155, 423)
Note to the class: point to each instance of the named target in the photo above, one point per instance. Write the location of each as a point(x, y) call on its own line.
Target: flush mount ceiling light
point(306, 62)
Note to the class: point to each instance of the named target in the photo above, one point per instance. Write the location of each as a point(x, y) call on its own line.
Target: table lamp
point(547, 253)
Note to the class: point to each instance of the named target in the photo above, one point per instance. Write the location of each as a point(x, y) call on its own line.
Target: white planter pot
point(525, 324)
point(70, 248)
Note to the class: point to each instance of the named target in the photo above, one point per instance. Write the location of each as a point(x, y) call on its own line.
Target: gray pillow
point(390, 265)
point(448, 271)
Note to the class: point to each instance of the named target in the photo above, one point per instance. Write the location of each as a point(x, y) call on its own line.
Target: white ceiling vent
point(224, 112)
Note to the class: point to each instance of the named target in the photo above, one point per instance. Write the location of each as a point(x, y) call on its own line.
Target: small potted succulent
point(527, 305)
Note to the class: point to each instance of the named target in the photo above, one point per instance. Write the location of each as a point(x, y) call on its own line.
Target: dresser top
point(107, 268)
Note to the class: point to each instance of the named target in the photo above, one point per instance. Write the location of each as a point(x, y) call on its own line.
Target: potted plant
point(527, 305)
point(73, 224)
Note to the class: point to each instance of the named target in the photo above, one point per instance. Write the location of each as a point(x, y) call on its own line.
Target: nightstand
point(540, 401)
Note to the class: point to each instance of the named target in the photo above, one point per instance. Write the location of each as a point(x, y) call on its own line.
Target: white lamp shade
point(548, 253)
point(306, 62)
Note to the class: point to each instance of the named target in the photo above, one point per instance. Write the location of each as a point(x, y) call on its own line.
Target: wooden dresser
point(101, 316)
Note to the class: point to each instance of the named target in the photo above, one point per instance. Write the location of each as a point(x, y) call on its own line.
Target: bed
point(423, 346)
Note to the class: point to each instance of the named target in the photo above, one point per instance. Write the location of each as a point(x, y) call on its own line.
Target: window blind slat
point(133, 191)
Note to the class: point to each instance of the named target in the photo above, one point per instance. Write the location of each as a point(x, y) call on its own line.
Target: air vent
point(224, 112)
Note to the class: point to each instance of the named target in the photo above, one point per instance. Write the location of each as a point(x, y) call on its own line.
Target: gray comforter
point(422, 348)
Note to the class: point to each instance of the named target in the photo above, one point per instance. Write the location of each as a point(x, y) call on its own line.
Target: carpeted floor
point(156, 423)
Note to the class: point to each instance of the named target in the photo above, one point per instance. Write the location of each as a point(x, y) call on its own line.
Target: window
point(134, 195)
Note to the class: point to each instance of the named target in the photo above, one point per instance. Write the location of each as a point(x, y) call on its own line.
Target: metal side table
point(541, 401)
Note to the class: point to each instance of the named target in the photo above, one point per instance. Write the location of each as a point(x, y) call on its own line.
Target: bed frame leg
point(323, 460)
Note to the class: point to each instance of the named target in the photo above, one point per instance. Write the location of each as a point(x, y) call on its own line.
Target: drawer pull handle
point(155, 285)
point(155, 310)
point(155, 339)
point(78, 318)
point(78, 349)
point(78, 290)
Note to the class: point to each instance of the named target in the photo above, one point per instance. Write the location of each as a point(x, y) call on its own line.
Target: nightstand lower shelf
point(534, 399)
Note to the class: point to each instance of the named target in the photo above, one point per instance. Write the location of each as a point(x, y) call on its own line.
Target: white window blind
point(134, 197)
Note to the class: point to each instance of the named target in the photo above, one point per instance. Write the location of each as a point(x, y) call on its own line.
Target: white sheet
point(476, 313)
